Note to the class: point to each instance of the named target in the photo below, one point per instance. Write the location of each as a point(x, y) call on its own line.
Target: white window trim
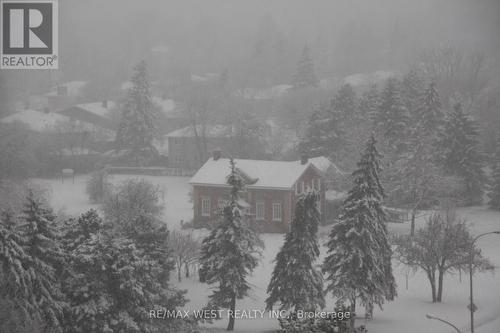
point(205, 200)
point(257, 217)
point(275, 204)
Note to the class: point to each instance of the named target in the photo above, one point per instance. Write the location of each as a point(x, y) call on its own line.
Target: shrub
point(133, 206)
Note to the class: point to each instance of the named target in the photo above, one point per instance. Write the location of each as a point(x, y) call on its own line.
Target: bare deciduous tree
point(441, 247)
point(185, 249)
point(457, 74)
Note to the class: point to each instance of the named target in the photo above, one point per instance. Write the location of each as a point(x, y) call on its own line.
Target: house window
point(277, 211)
point(302, 187)
point(297, 189)
point(205, 206)
point(259, 210)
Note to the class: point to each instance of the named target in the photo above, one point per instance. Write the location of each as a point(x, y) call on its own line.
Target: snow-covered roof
point(361, 79)
point(211, 131)
point(323, 164)
point(74, 88)
point(36, 120)
point(97, 108)
point(204, 77)
point(268, 93)
point(268, 174)
point(76, 151)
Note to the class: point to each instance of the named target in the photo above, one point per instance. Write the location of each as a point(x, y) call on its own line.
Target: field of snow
point(405, 314)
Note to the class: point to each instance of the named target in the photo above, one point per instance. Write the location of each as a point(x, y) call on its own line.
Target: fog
point(102, 39)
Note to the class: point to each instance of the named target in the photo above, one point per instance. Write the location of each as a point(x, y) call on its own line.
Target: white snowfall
point(405, 314)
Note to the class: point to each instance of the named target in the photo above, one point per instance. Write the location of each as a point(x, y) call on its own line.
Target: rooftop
point(211, 131)
point(97, 108)
point(268, 174)
point(36, 120)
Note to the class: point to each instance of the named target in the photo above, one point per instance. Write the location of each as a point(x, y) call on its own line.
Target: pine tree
point(412, 88)
point(229, 253)
point(296, 283)
point(324, 134)
point(494, 194)
point(17, 313)
point(115, 280)
point(135, 132)
point(429, 114)
point(15, 280)
point(47, 260)
point(459, 154)
point(417, 178)
point(346, 103)
point(358, 264)
point(305, 76)
point(392, 116)
point(78, 231)
point(369, 103)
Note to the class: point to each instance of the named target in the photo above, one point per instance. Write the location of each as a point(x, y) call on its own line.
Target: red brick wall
point(252, 196)
point(287, 198)
point(269, 197)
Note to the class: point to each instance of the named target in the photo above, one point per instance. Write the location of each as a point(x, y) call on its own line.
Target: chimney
point(105, 104)
point(216, 154)
point(304, 158)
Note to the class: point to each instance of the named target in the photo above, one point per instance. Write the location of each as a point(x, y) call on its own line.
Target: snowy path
point(405, 314)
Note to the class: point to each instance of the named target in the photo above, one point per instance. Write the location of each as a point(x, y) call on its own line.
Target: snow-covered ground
point(405, 314)
point(73, 199)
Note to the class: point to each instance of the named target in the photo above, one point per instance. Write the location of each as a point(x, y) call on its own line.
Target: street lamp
point(472, 307)
point(428, 316)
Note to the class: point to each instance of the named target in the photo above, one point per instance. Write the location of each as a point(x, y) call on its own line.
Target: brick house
point(272, 189)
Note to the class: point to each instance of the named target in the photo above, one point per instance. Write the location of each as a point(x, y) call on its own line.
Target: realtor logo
point(29, 36)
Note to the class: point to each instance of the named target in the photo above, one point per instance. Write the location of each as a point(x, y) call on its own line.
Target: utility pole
point(472, 307)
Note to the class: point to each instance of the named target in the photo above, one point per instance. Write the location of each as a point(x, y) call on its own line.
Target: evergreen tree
point(416, 176)
point(392, 116)
point(305, 76)
point(358, 264)
point(296, 283)
point(494, 194)
point(78, 231)
point(115, 280)
point(135, 132)
point(458, 151)
point(324, 133)
point(369, 103)
point(429, 114)
point(412, 87)
point(229, 253)
point(15, 280)
point(346, 103)
point(41, 244)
